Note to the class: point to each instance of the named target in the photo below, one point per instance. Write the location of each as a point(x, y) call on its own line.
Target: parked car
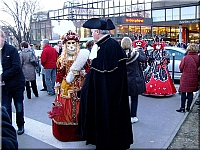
point(178, 55)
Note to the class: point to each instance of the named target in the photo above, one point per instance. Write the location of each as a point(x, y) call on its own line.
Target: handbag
point(33, 60)
point(198, 73)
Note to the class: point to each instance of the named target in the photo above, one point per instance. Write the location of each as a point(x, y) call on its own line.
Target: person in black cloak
point(104, 113)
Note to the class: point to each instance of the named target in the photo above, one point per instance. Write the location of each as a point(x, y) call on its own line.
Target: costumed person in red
point(139, 43)
point(69, 80)
point(158, 80)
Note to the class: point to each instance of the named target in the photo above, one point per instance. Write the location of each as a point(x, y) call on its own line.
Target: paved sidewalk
point(158, 123)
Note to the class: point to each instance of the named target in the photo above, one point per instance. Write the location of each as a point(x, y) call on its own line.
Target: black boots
point(181, 110)
point(20, 130)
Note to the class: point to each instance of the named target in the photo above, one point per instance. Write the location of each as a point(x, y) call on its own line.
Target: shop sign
point(188, 21)
point(131, 20)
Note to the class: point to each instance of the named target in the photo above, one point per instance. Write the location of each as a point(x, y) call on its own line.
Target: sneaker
point(197, 102)
point(134, 119)
point(43, 90)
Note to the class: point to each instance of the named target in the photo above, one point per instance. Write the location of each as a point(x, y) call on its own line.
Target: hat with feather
point(138, 41)
point(158, 41)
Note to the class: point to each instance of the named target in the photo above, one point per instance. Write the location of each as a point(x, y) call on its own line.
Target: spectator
point(32, 47)
point(28, 69)
point(136, 84)
point(189, 78)
point(89, 44)
point(8, 133)
point(48, 60)
point(14, 82)
point(43, 79)
point(104, 114)
point(58, 48)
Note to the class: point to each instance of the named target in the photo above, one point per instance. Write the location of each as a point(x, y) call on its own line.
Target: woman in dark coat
point(189, 78)
point(136, 84)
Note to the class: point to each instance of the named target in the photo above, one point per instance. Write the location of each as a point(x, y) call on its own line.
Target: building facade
point(173, 20)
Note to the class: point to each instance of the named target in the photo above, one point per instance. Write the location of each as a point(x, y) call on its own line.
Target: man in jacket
point(104, 114)
point(48, 60)
point(12, 82)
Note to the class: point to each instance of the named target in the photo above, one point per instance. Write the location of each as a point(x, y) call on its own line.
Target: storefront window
point(147, 6)
point(134, 7)
point(116, 2)
point(167, 32)
point(110, 3)
point(176, 14)
point(188, 12)
point(129, 14)
point(174, 33)
point(116, 10)
point(140, 7)
point(140, 1)
point(146, 32)
point(158, 15)
point(134, 1)
point(146, 1)
point(147, 14)
point(128, 8)
point(168, 14)
point(122, 9)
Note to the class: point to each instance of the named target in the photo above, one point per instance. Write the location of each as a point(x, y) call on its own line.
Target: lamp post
point(173, 59)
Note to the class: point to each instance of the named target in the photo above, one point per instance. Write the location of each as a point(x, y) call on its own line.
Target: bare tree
point(20, 12)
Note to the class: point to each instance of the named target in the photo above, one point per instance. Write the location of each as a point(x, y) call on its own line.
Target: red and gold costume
point(69, 80)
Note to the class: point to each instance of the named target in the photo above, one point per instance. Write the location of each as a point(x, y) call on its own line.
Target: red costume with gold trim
point(69, 80)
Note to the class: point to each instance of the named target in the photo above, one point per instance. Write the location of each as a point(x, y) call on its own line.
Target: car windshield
point(178, 55)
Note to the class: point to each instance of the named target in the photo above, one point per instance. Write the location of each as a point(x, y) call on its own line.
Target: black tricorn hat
point(96, 23)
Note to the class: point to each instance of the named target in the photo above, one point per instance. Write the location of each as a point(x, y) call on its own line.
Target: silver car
point(178, 54)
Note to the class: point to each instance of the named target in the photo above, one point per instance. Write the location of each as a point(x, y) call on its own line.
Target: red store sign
point(130, 20)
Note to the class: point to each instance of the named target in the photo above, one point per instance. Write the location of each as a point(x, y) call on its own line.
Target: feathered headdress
point(138, 41)
point(70, 35)
point(158, 41)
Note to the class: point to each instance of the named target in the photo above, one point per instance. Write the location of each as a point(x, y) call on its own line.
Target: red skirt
point(160, 88)
point(65, 133)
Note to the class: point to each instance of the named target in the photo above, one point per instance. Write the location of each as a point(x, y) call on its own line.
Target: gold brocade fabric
point(68, 98)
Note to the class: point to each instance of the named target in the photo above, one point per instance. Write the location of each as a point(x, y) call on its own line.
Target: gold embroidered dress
point(67, 121)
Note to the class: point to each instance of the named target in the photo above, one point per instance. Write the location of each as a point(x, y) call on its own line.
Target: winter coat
point(136, 84)
point(8, 133)
point(27, 68)
point(12, 72)
point(189, 77)
point(49, 57)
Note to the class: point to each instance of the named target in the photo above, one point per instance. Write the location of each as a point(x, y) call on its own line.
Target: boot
point(20, 130)
point(181, 110)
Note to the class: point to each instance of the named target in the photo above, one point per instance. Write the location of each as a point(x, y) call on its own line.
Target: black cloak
point(104, 114)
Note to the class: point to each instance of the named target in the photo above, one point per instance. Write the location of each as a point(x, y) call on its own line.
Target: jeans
point(43, 82)
point(189, 96)
point(18, 97)
point(50, 79)
point(134, 104)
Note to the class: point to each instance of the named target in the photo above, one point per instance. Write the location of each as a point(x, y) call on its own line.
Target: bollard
point(173, 60)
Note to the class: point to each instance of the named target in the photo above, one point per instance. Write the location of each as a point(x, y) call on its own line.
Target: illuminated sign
point(134, 20)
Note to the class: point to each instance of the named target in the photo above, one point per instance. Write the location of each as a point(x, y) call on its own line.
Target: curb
point(167, 144)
